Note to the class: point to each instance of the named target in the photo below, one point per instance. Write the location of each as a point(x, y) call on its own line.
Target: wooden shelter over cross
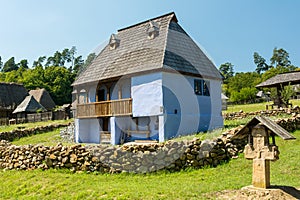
point(259, 148)
point(278, 82)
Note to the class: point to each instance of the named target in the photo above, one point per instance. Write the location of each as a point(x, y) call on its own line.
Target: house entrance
point(101, 95)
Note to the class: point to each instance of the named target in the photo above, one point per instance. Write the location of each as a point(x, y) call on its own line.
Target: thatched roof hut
point(43, 97)
point(29, 105)
point(11, 95)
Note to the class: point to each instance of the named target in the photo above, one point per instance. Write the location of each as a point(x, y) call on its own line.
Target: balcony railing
point(121, 107)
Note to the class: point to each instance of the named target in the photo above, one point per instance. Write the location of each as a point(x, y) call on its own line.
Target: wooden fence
point(36, 117)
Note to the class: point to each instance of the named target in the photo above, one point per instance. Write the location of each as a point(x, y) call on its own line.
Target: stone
point(73, 158)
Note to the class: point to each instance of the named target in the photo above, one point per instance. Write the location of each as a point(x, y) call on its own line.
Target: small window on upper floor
point(201, 87)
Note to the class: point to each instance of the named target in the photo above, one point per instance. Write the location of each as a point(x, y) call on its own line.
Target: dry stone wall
point(172, 155)
point(142, 158)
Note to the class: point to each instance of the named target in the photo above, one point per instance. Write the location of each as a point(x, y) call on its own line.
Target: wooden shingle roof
point(271, 125)
point(43, 97)
point(171, 49)
point(29, 105)
point(284, 79)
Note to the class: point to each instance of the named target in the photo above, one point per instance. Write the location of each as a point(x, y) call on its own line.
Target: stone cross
point(262, 153)
point(259, 149)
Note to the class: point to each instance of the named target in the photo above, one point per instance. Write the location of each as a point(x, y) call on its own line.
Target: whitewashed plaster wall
point(147, 95)
point(87, 130)
point(186, 112)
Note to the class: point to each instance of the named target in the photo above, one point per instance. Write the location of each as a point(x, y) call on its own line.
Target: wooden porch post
point(120, 92)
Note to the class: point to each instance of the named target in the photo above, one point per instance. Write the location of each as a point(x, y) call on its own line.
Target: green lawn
point(254, 107)
point(189, 184)
point(48, 139)
point(32, 125)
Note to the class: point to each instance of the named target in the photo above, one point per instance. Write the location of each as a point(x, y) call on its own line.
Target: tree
point(39, 62)
point(78, 63)
point(1, 63)
point(260, 62)
point(10, 65)
point(280, 58)
point(226, 70)
point(23, 64)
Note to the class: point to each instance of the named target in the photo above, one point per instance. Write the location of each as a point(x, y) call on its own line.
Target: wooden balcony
point(121, 107)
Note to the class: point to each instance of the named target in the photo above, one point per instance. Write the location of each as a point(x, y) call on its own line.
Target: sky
point(228, 30)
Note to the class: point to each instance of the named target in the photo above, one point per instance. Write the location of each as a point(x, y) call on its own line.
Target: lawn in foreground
point(60, 184)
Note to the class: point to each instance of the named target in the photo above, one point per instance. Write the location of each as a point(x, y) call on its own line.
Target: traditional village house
point(43, 97)
point(11, 95)
point(27, 106)
point(152, 81)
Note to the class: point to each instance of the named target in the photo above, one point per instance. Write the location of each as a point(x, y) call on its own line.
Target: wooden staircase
point(105, 137)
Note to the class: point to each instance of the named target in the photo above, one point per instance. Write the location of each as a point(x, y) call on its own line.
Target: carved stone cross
point(262, 153)
point(259, 149)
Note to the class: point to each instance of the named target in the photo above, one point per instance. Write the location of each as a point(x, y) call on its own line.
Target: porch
point(120, 107)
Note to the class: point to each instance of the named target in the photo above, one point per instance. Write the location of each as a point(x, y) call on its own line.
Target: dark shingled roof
point(172, 48)
point(11, 95)
point(43, 97)
point(29, 105)
point(284, 79)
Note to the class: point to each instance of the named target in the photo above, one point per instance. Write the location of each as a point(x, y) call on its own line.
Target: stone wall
point(68, 133)
point(269, 113)
point(142, 158)
point(22, 132)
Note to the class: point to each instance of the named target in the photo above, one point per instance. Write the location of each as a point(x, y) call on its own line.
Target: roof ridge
point(145, 21)
point(166, 42)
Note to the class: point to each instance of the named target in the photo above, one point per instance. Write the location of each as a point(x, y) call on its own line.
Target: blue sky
point(230, 31)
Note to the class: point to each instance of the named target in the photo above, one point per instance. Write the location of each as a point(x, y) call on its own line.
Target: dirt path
point(249, 193)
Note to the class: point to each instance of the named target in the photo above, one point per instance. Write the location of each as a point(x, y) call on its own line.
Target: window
point(201, 87)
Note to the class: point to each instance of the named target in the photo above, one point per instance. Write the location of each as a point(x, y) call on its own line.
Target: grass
point(47, 139)
point(254, 107)
point(189, 184)
point(32, 125)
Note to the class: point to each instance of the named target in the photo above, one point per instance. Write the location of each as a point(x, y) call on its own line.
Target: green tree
point(280, 57)
point(59, 81)
point(78, 63)
point(226, 70)
point(23, 64)
point(260, 63)
point(1, 63)
point(39, 62)
point(10, 65)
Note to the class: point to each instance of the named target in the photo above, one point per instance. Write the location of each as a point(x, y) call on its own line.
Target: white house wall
point(186, 112)
point(87, 131)
point(146, 92)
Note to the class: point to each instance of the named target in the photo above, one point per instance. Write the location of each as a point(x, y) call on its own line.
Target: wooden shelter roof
point(282, 79)
point(271, 125)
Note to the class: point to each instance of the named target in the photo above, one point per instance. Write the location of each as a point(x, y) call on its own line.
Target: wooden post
point(120, 92)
